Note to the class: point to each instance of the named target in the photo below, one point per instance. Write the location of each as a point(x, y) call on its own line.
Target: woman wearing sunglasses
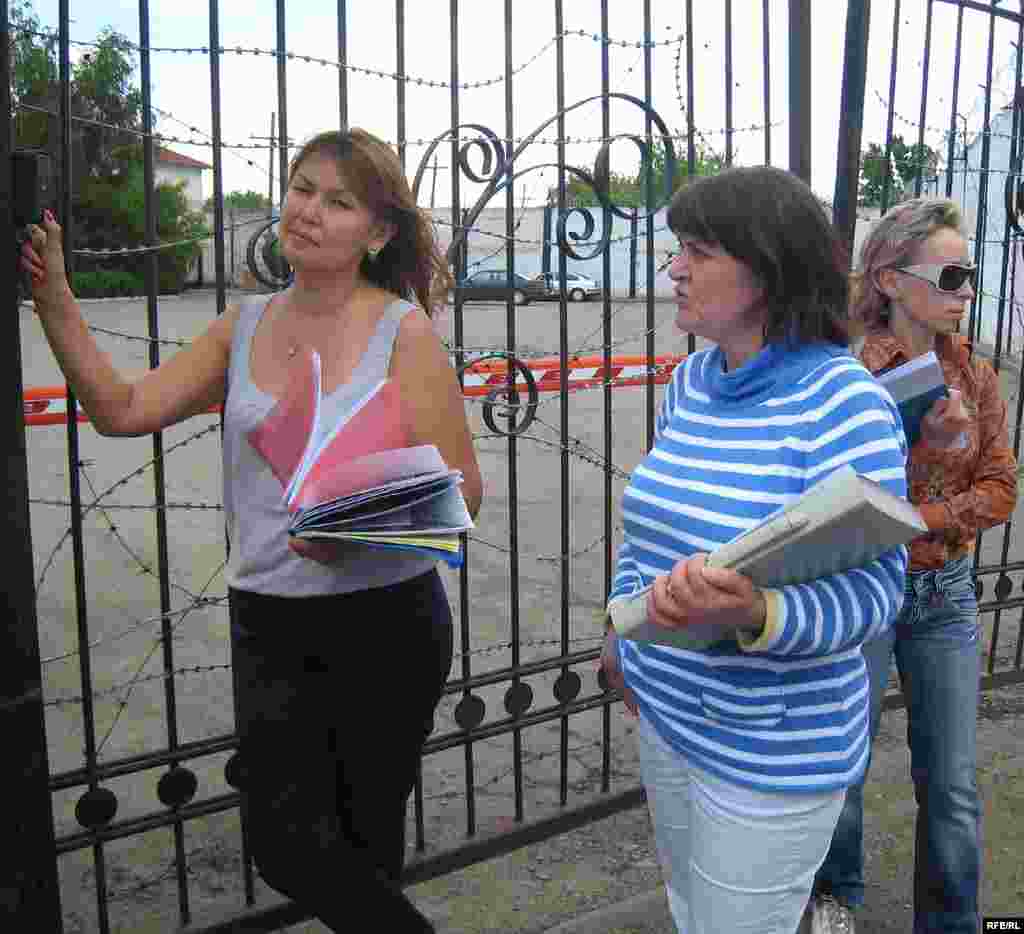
point(917, 281)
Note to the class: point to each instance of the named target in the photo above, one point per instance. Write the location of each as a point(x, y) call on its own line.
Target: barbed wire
point(123, 251)
point(138, 678)
point(945, 131)
point(126, 251)
point(142, 134)
point(440, 222)
point(150, 507)
point(103, 693)
point(418, 141)
point(971, 170)
point(116, 532)
point(137, 250)
point(163, 341)
point(529, 759)
point(230, 147)
point(195, 859)
point(577, 447)
point(170, 615)
point(593, 348)
point(89, 507)
point(503, 549)
point(513, 407)
point(676, 69)
point(52, 36)
point(579, 552)
point(504, 246)
point(469, 351)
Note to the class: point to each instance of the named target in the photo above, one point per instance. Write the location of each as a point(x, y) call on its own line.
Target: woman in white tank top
point(326, 768)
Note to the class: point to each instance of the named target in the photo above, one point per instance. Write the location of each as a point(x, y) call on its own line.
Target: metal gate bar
point(32, 886)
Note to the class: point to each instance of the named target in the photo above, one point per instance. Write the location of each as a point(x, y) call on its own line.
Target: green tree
point(33, 56)
point(34, 74)
point(901, 169)
point(106, 107)
point(242, 201)
point(107, 185)
point(111, 215)
point(104, 92)
point(630, 190)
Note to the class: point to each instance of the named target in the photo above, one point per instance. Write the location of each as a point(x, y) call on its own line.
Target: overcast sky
point(181, 81)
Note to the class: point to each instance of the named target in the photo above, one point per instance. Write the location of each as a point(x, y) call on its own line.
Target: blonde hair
point(892, 244)
point(410, 265)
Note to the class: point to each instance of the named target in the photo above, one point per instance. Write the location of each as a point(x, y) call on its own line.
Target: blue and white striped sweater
point(731, 448)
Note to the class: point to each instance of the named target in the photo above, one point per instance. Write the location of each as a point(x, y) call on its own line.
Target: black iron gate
point(527, 640)
point(931, 147)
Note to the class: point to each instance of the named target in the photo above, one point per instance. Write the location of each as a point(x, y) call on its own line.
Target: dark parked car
point(577, 287)
point(491, 285)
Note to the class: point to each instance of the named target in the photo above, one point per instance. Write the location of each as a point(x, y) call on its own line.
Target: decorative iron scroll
point(496, 173)
point(264, 258)
point(505, 399)
point(269, 267)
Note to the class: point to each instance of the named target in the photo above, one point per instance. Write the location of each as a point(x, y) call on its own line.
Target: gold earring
point(371, 253)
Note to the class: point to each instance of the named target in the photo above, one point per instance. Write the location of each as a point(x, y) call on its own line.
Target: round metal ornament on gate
point(264, 258)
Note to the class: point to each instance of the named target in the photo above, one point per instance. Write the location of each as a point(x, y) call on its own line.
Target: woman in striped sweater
point(747, 747)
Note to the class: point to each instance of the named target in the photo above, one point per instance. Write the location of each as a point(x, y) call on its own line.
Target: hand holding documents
point(842, 522)
point(915, 386)
point(363, 482)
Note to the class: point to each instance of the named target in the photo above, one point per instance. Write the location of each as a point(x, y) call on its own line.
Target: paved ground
point(604, 878)
point(559, 882)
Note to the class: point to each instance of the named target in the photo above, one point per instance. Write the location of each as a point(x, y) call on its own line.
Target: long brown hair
point(410, 265)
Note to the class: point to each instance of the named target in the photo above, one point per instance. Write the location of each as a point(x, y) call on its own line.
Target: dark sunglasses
point(946, 278)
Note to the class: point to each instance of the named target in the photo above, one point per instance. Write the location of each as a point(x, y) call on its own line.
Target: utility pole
point(270, 174)
point(433, 181)
point(433, 184)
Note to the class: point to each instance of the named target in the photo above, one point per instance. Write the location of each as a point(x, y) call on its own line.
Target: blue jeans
point(842, 873)
point(938, 658)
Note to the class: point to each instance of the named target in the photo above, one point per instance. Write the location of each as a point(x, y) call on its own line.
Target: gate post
point(800, 89)
point(632, 254)
point(851, 120)
point(29, 892)
point(545, 250)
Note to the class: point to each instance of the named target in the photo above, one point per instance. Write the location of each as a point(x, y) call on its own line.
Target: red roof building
point(166, 157)
point(174, 167)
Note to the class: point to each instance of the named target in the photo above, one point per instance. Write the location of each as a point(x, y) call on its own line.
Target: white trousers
point(734, 859)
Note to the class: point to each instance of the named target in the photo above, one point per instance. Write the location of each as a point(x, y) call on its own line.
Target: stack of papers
point(363, 482)
point(843, 521)
point(405, 498)
point(915, 387)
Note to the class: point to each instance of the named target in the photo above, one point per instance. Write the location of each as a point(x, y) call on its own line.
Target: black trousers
point(334, 698)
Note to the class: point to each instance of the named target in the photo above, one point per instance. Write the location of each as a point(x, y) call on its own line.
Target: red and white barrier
point(626, 370)
point(48, 405)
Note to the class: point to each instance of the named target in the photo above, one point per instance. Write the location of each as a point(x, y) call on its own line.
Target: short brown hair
point(772, 222)
point(410, 265)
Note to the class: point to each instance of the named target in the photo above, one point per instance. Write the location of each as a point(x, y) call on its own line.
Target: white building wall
point(994, 298)
point(487, 246)
point(192, 177)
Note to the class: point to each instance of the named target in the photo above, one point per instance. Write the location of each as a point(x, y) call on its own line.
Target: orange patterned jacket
point(958, 491)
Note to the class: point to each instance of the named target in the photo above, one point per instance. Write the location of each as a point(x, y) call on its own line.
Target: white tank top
point(257, 519)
